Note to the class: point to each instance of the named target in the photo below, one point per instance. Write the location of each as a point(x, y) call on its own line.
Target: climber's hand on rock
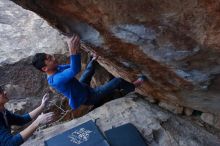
point(45, 100)
point(73, 44)
point(45, 118)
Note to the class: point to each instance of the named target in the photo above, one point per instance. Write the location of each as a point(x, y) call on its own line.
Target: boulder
point(158, 127)
point(173, 108)
point(211, 119)
point(174, 43)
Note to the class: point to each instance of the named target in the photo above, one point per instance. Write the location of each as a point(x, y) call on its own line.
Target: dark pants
point(97, 94)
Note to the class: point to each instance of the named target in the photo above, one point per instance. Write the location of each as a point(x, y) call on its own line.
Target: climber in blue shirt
point(7, 119)
point(62, 78)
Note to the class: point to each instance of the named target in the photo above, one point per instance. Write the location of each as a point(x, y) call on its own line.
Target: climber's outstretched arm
point(8, 139)
point(41, 120)
point(37, 111)
point(75, 62)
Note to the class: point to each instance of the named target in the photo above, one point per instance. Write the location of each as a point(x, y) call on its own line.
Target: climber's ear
point(44, 69)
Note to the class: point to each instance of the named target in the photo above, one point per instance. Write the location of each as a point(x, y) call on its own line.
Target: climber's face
point(3, 97)
point(50, 63)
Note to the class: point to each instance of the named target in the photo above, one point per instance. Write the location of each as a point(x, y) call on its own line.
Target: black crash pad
point(125, 135)
point(86, 134)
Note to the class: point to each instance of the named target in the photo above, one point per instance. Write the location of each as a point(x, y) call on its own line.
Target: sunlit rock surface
point(23, 33)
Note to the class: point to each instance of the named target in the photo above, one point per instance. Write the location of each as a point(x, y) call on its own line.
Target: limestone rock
point(174, 43)
point(173, 108)
point(188, 111)
point(20, 32)
point(158, 127)
point(211, 119)
point(17, 106)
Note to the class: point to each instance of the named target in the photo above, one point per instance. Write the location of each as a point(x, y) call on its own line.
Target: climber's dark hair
point(38, 60)
point(1, 89)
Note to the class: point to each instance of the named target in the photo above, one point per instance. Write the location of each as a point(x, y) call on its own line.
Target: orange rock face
point(176, 44)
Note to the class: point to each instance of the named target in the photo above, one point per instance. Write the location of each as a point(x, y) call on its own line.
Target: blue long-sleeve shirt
point(6, 138)
point(64, 82)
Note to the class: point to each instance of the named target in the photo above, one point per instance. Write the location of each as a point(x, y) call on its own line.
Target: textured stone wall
point(174, 43)
point(23, 33)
